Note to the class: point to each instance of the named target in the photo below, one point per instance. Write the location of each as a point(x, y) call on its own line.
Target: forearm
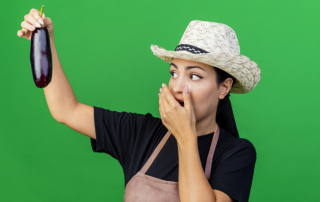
point(59, 94)
point(193, 184)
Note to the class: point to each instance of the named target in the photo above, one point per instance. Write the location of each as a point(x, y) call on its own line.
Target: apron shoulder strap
point(155, 153)
point(211, 152)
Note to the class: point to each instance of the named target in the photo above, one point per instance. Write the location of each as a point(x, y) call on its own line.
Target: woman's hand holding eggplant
point(32, 21)
point(179, 120)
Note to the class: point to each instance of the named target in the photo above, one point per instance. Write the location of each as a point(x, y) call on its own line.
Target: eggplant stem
point(41, 10)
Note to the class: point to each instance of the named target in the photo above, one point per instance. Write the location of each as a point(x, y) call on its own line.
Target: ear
point(225, 87)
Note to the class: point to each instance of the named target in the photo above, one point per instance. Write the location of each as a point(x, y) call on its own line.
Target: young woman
point(193, 153)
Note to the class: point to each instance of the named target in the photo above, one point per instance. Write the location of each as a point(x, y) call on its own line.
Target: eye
point(173, 74)
point(196, 77)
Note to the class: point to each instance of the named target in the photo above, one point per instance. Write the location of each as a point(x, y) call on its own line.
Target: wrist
point(51, 37)
point(187, 137)
point(51, 41)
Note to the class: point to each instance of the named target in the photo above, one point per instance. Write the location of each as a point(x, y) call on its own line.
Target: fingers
point(187, 99)
point(168, 96)
point(162, 99)
point(24, 32)
point(31, 20)
point(36, 16)
point(161, 107)
point(27, 26)
point(20, 33)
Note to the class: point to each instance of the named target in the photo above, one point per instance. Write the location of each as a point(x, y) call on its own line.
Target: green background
point(104, 49)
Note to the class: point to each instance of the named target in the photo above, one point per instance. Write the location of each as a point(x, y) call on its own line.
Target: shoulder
point(233, 170)
point(236, 147)
point(102, 113)
point(138, 124)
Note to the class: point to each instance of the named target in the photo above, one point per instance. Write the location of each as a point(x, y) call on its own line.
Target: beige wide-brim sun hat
point(217, 45)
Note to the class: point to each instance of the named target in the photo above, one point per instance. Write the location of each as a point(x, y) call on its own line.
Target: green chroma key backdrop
point(104, 49)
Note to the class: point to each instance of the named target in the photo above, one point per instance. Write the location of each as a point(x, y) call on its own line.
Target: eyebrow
point(188, 67)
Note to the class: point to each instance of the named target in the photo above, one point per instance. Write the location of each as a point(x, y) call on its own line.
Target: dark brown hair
point(224, 117)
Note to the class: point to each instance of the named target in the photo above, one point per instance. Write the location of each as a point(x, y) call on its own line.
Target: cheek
point(203, 97)
point(200, 99)
point(202, 92)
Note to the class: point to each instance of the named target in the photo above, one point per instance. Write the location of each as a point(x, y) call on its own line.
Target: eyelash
point(172, 72)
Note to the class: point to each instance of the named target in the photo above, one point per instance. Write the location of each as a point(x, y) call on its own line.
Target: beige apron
point(145, 188)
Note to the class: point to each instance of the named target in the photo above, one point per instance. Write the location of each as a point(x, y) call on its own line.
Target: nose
point(178, 85)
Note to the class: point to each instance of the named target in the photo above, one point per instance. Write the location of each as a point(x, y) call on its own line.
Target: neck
point(206, 126)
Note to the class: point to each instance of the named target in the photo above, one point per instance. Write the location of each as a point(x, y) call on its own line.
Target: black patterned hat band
point(190, 48)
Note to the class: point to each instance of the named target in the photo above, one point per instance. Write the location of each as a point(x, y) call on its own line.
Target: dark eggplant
point(41, 57)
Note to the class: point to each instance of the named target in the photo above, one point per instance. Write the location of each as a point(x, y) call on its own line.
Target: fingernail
point(160, 89)
point(186, 89)
point(41, 21)
point(32, 27)
point(162, 84)
point(159, 94)
point(37, 24)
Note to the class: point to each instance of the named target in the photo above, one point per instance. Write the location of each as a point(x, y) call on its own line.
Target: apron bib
point(145, 188)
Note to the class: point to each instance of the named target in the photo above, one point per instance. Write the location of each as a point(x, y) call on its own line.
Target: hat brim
point(243, 69)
